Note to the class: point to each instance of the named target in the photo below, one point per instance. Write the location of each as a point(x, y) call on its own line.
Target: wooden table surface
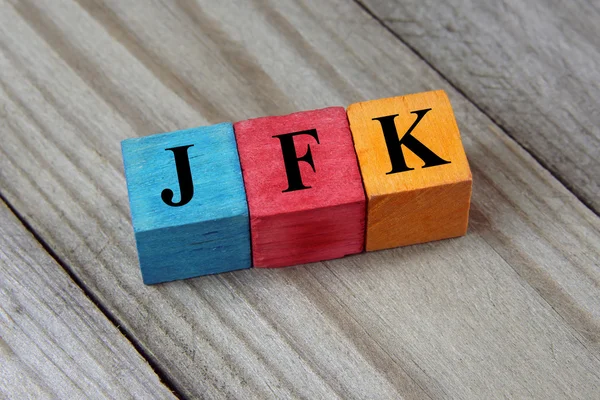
point(511, 310)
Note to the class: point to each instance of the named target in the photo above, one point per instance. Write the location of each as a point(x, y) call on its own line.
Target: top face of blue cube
point(154, 176)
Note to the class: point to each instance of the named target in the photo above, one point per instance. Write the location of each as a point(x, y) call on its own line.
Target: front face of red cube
point(304, 189)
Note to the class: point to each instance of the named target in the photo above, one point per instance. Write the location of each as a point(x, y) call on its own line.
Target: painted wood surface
point(509, 310)
point(533, 67)
point(54, 342)
point(305, 193)
point(414, 168)
point(187, 202)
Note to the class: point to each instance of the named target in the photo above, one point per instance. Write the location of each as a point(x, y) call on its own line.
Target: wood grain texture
point(414, 168)
point(305, 193)
point(54, 343)
point(510, 310)
point(533, 67)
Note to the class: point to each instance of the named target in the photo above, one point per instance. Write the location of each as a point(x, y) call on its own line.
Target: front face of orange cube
point(414, 169)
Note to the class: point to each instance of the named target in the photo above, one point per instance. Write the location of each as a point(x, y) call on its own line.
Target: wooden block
point(188, 204)
point(305, 194)
point(414, 169)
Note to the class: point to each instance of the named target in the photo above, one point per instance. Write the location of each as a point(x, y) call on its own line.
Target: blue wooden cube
point(188, 203)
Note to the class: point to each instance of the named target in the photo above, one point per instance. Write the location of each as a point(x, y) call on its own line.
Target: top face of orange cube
point(436, 157)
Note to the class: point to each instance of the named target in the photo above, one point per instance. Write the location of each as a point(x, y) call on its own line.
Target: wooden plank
point(54, 342)
point(533, 67)
point(510, 310)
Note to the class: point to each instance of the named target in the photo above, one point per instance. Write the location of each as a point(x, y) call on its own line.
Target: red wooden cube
point(304, 189)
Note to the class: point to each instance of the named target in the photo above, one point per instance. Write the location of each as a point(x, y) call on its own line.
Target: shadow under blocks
point(305, 187)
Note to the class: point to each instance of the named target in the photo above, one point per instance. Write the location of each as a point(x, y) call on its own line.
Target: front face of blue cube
point(188, 204)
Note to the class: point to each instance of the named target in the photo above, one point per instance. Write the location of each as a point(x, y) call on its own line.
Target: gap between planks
point(164, 378)
point(504, 130)
point(380, 255)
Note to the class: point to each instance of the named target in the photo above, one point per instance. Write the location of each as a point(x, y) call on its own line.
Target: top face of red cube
point(277, 155)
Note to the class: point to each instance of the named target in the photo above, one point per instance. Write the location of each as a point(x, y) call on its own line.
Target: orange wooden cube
point(414, 169)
